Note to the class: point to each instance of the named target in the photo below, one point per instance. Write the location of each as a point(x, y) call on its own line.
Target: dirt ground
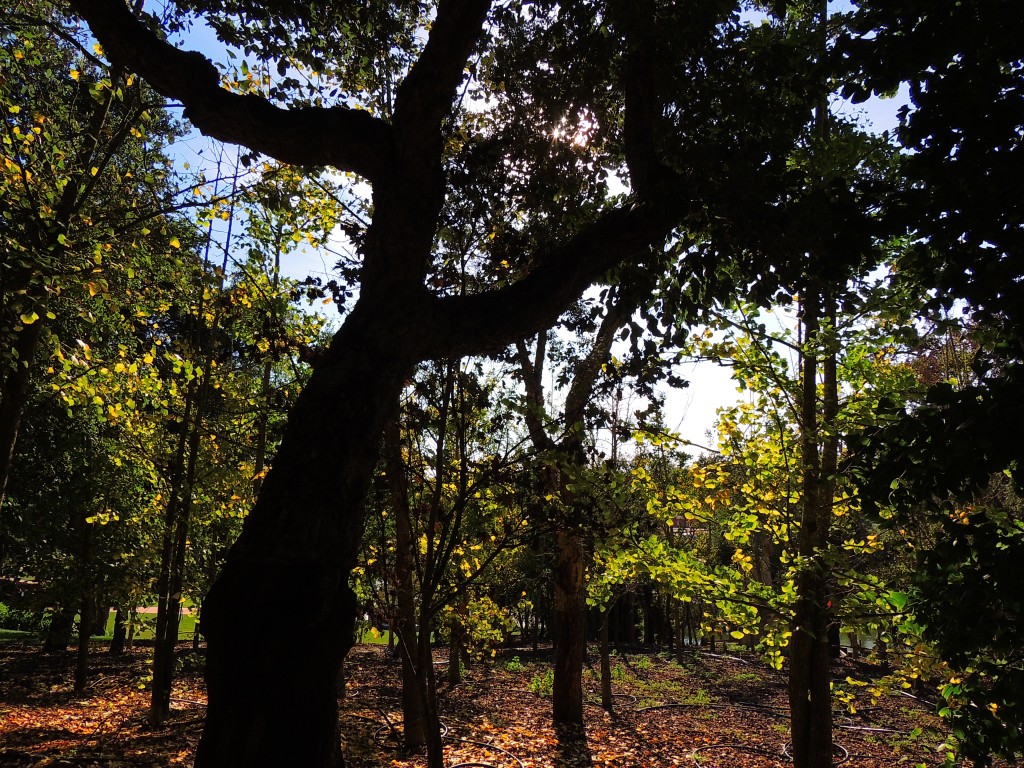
point(710, 711)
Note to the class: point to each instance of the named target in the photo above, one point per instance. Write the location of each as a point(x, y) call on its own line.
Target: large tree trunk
point(570, 628)
point(268, 704)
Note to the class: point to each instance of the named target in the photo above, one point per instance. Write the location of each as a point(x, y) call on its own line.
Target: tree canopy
point(488, 163)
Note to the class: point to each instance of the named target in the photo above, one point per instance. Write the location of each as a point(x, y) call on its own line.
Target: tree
point(83, 177)
point(268, 705)
point(564, 510)
point(963, 69)
point(447, 468)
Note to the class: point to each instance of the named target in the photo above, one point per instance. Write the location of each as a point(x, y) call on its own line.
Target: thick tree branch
point(407, 208)
point(456, 326)
point(641, 104)
point(426, 95)
point(351, 140)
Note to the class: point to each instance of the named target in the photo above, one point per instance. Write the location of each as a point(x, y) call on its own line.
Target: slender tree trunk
point(570, 628)
point(414, 725)
point(428, 692)
point(455, 642)
point(120, 633)
point(86, 613)
point(810, 696)
point(175, 537)
point(606, 663)
point(647, 605)
point(58, 633)
point(13, 398)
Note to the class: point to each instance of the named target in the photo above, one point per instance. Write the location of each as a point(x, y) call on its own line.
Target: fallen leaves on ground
point(726, 712)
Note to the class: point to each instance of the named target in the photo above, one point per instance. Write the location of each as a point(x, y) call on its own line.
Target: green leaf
point(898, 599)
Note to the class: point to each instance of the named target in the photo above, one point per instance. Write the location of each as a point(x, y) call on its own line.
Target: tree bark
point(267, 704)
point(119, 637)
point(14, 393)
point(58, 633)
point(414, 734)
point(86, 613)
point(810, 695)
point(570, 628)
point(606, 663)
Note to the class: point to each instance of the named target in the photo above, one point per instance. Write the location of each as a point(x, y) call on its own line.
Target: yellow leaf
point(74, 74)
point(29, 318)
point(174, 243)
point(14, 109)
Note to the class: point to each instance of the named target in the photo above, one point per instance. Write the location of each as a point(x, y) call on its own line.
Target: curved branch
point(348, 139)
point(486, 322)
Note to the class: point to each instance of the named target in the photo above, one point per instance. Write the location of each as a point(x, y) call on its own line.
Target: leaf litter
point(705, 711)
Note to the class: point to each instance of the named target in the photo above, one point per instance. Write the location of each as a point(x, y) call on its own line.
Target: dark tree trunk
point(58, 633)
point(810, 696)
point(630, 602)
point(414, 724)
point(570, 629)
point(455, 641)
point(13, 398)
point(648, 615)
point(86, 613)
point(269, 705)
point(606, 663)
point(120, 634)
point(87, 601)
point(428, 692)
point(172, 574)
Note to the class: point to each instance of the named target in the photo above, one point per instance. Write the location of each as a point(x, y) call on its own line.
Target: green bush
point(543, 684)
point(21, 621)
point(514, 666)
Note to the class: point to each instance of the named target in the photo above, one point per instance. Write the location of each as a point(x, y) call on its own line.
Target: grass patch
point(374, 636)
point(145, 627)
point(11, 635)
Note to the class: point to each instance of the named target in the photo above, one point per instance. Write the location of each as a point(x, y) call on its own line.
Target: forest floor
point(728, 711)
